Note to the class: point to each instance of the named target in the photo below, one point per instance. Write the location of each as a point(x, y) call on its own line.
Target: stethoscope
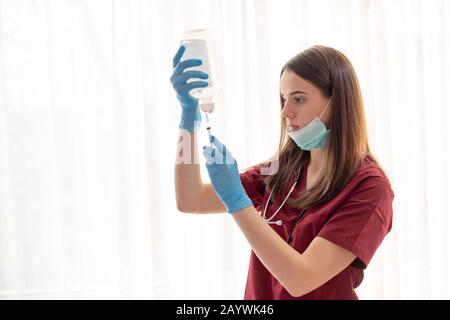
point(279, 222)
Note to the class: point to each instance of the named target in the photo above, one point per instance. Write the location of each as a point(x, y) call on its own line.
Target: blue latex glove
point(190, 114)
point(224, 175)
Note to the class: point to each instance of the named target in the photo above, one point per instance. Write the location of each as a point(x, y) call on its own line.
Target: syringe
point(208, 127)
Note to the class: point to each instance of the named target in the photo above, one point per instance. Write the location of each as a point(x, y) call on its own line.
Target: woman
point(327, 207)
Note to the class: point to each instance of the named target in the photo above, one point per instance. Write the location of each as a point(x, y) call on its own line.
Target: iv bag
point(199, 45)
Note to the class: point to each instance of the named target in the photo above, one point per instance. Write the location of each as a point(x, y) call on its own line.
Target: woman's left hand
point(224, 175)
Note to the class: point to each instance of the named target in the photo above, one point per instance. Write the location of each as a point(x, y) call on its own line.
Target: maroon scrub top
point(357, 219)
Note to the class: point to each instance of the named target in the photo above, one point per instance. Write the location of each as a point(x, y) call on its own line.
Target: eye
point(297, 99)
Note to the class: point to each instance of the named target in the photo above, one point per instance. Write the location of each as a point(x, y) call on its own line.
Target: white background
point(89, 125)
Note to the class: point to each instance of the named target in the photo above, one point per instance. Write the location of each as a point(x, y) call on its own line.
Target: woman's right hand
point(190, 114)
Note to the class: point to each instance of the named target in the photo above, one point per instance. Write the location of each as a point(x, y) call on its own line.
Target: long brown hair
point(332, 72)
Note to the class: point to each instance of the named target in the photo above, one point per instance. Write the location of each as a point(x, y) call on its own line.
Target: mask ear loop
point(325, 108)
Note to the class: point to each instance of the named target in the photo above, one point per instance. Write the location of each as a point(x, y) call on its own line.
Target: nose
point(287, 111)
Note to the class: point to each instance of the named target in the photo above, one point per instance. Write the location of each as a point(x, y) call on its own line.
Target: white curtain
point(89, 125)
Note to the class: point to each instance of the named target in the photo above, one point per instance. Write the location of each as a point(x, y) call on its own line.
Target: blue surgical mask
point(314, 135)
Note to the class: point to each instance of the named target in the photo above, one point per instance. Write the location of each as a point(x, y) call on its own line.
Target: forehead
point(290, 82)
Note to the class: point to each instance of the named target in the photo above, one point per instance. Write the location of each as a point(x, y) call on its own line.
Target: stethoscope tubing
point(300, 216)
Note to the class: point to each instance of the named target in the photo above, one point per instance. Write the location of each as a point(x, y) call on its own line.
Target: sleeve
point(362, 221)
point(254, 185)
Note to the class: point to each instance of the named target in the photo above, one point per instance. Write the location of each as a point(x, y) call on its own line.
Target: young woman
point(315, 222)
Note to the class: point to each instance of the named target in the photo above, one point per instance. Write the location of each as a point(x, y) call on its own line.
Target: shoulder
point(369, 191)
point(256, 173)
point(370, 177)
point(253, 180)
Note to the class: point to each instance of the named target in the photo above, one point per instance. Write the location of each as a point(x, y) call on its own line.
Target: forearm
point(188, 181)
point(283, 261)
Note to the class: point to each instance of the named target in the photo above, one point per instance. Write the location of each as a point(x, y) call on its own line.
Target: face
point(302, 100)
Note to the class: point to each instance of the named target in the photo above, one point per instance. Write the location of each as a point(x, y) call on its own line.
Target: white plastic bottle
point(199, 45)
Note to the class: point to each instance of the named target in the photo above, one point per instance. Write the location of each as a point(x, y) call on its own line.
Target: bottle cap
point(207, 107)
